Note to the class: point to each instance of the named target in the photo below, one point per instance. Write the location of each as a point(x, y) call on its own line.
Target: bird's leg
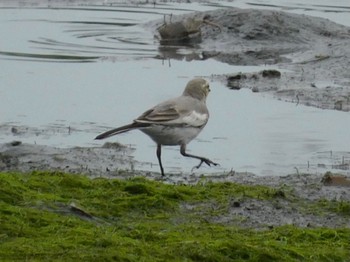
point(159, 153)
point(202, 159)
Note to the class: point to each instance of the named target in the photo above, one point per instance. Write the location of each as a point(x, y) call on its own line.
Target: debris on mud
point(238, 81)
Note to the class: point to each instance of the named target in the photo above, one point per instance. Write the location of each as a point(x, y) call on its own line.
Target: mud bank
point(93, 161)
point(304, 199)
point(46, 215)
point(311, 54)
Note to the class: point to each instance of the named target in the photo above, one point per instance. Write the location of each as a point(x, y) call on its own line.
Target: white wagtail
point(174, 122)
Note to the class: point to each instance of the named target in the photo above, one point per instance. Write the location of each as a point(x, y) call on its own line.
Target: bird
point(174, 122)
point(183, 30)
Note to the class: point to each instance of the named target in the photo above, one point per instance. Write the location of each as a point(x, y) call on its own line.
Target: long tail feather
point(120, 130)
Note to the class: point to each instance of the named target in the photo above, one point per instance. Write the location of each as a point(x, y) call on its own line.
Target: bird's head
point(197, 88)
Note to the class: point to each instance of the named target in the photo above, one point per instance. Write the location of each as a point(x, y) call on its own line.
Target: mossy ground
point(54, 216)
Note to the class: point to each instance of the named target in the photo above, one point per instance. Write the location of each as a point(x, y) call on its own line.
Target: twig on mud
point(297, 170)
point(297, 96)
point(318, 58)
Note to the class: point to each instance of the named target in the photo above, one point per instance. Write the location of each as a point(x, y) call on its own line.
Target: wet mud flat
point(309, 55)
point(305, 200)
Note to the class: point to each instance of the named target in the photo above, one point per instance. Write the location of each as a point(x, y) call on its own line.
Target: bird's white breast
point(195, 119)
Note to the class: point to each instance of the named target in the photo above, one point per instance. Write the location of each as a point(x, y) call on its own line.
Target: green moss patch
point(63, 217)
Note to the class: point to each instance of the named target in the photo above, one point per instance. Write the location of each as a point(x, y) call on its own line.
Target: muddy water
point(71, 72)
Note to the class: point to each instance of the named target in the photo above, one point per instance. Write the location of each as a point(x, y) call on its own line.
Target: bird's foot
point(207, 161)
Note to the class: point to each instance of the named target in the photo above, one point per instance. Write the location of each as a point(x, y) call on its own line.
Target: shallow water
point(71, 72)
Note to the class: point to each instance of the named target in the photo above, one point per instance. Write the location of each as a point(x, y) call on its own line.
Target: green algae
point(63, 217)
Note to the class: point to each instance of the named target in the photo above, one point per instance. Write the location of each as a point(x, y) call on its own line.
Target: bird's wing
point(159, 114)
point(173, 114)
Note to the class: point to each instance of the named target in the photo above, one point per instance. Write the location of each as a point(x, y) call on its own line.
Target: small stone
point(236, 204)
point(255, 89)
point(15, 143)
point(14, 130)
point(272, 73)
